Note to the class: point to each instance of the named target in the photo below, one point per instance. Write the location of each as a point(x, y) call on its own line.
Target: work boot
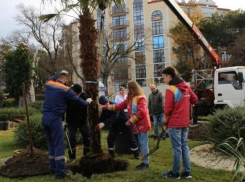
point(136, 154)
point(52, 172)
point(66, 174)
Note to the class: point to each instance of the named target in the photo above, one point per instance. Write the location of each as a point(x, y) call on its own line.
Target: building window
point(99, 13)
point(122, 62)
point(140, 45)
point(158, 80)
point(139, 17)
point(120, 33)
point(158, 69)
point(139, 58)
point(119, 9)
point(156, 16)
point(224, 56)
point(158, 56)
point(119, 20)
point(157, 28)
point(141, 71)
point(141, 82)
point(139, 31)
point(158, 42)
point(138, 5)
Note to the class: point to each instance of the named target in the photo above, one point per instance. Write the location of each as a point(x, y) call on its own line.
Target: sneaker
point(142, 166)
point(170, 174)
point(186, 175)
point(66, 174)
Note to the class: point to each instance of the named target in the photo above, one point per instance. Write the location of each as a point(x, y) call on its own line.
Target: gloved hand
point(128, 123)
point(89, 100)
point(64, 125)
point(99, 126)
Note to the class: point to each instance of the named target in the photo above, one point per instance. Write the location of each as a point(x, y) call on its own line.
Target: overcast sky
point(8, 11)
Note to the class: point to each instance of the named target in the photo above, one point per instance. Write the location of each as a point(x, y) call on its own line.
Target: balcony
point(119, 24)
point(119, 11)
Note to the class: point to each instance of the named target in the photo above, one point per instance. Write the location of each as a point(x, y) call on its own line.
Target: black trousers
point(115, 129)
point(84, 130)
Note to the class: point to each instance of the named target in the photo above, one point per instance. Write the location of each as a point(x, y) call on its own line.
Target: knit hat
point(76, 88)
point(103, 100)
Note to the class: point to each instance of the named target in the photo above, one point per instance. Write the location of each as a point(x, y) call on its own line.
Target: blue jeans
point(156, 118)
point(143, 143)
point(178, 137)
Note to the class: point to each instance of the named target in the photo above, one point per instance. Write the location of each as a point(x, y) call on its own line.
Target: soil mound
point(197, 132)
point(24, 165)
point(98, 164)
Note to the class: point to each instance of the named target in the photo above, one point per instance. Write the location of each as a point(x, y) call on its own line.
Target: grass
point(160, 161)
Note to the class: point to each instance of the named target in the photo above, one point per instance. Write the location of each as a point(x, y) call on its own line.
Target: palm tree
point(88, 53)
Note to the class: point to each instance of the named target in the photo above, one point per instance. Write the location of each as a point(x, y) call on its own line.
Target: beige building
point(148, 23)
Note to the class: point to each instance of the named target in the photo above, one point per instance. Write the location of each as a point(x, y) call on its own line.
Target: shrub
point(38, 135)
point(38, 105)
point(226, 123)
point(10, 102)
point(12, 113)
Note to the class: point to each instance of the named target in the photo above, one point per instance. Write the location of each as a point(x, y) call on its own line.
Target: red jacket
point(140, 120)
point(178, 98)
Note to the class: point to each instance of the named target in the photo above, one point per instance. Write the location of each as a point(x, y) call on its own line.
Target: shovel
point(154, 149)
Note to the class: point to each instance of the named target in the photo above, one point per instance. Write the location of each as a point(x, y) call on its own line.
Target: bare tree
point(116, 49)
point(236, 50)
point(46, 34)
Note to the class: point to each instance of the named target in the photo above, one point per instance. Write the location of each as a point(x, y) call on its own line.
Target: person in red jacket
point(178, 98)
point(139, 118)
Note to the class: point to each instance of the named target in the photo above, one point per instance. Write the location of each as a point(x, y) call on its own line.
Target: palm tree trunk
point(90, 65)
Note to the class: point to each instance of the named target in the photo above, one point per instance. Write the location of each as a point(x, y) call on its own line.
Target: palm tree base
point(100, 164)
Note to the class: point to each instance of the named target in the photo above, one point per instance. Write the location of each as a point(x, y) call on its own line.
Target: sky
point(8, 11)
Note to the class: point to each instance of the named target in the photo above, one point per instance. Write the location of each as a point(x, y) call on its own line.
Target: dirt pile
point(98, 164)
point(197, 132)
point(23, 164)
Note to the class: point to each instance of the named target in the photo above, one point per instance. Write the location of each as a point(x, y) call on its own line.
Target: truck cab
point(229, 87)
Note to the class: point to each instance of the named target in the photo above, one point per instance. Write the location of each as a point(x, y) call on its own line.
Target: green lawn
point(160, 161)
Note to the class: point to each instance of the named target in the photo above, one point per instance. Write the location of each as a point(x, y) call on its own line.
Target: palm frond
point(47, 17)
point(234, 147)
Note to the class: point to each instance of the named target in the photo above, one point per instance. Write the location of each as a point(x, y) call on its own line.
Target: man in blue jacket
point(55, 104)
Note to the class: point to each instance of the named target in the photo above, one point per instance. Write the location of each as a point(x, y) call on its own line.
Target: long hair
point(134, 88)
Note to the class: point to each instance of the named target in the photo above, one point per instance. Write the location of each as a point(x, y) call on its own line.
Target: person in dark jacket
point(56, 96)
point(76, 118)
point(155, 105)
point(178, 99)
point(117, 120)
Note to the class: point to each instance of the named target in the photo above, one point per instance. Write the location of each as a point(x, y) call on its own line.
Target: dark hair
point(76, 88)
point(170, 71)
point(62, 75)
